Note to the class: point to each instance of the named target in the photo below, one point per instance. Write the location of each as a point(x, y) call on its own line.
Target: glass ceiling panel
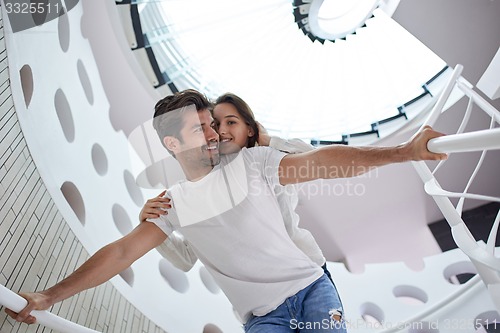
point(295, 87)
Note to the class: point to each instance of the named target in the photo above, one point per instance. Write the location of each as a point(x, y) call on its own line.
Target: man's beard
point(213, 155)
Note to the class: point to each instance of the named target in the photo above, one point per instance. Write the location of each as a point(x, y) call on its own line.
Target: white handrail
point(466, 142)
point(16, 303)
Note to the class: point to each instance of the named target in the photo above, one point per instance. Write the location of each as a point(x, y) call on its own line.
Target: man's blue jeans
point(310, 310)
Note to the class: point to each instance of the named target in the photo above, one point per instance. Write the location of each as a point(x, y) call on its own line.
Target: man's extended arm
point(340, 161)
point(99, 268)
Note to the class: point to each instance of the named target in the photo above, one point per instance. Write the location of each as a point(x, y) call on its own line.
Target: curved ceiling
point(297, 86)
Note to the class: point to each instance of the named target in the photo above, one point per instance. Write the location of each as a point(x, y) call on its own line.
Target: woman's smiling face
point(233, 130)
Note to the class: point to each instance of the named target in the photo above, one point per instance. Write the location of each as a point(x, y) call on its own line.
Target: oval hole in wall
point(410, 294)
point(128, 276)
point(121, 219)
point(175, 277)
point(372, 314)
point(63, 111)
point(26, 83)
point(63, 30)
point(208, 281)
point(132, 188)
point(74, 199)
point(85, 81)
point(211, 328)
point(99, 159)
point(459, 272)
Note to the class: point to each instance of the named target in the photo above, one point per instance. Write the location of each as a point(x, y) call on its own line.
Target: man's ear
point(171, 143)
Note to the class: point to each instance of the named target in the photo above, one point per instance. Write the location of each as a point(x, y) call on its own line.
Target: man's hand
point(417, 145)
point(36, 301)
point(155, 207)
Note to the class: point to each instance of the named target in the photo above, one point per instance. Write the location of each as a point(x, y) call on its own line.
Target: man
point(228, 212)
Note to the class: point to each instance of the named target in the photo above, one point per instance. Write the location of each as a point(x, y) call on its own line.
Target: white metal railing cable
point(483, 141)
point(438, 107)
point(483, 257)
point(465, 120)
point(481, 102)
point(432, 188)
point(490, 246)
point(461, 201)
point(11, 300)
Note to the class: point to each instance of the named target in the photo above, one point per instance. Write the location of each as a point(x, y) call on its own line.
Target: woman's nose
point(222, 129)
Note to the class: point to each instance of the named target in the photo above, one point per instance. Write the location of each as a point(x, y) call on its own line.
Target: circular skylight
point(339, 18)
point(297, 86)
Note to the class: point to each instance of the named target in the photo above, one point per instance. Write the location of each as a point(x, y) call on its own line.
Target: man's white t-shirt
point(232, 220)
